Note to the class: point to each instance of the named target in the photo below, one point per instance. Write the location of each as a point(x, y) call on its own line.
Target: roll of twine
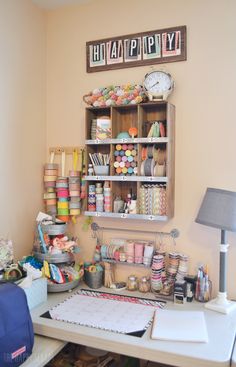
point(74, 187)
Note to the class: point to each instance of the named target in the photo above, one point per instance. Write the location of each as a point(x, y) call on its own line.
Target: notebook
point(185, 326)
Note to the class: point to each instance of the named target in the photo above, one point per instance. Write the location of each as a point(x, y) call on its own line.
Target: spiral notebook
point(185, 326)
point(117, 313)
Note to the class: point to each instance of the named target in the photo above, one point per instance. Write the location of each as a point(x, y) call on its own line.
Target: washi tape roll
point(75, 199)
point(51, 172)
point(52, 209)
point(127, 164)
point(74, 173)
point(51, 201)
point(130, 147)
point(134, 152)
point(60, 185)
point(49, 178)
point(64, 218)
point(133, 164)
point(130, 158)
point(62, 193)
point(75, 212)
point(118, 147)
point(75, 193)
point(50, 189)
point(75, 205)
point(49, 195)
point(124, 159)
point(127, 152)
point(51, 166)
point(116, 153)
point(62, 205)
point(74, 180)
point(122, 164)
point(74, 187)
point(49, 184)
point(62, 200)
point(63, 211)
point(122, 152)
point(119, 158)
point(124, 147)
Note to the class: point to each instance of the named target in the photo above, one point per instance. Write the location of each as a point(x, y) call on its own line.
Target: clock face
point(157, 82)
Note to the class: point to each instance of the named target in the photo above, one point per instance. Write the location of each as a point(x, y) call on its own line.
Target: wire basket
point(93, 280)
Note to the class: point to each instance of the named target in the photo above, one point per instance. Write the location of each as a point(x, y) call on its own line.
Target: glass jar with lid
point(144, 285)
point(132, 283)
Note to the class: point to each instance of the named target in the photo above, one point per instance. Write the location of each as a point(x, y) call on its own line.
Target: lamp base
point(221, 304)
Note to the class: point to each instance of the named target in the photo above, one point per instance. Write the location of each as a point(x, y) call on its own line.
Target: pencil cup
point(101, 170)
point(93, 279)
point(203, 291)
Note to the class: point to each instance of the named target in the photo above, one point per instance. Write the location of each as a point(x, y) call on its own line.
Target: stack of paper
point(186, 326)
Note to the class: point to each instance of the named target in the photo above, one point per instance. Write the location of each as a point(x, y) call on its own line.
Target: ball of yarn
point(116, 95)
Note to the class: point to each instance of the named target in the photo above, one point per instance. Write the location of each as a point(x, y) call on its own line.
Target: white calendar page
point(107, 314)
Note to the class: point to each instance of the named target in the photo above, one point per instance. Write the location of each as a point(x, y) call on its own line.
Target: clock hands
point(154, 84)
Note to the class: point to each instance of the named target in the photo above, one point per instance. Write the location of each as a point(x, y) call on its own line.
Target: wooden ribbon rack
point(64, 191)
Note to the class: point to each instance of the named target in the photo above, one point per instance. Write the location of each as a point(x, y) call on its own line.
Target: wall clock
point(158, 85)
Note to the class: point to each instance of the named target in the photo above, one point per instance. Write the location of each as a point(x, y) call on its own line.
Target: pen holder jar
point(93, 280)
point(203, 291)
point(101, 170)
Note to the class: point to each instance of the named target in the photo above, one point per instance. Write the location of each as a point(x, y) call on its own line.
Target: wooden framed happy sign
point(147, 48)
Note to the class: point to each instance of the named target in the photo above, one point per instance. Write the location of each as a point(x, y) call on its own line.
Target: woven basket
point(93, 280)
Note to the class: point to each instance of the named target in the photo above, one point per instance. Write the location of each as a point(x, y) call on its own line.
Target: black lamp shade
point(218, 209)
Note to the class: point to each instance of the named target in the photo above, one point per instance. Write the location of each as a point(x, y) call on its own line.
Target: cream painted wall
point(22, 119)
point(204, 99)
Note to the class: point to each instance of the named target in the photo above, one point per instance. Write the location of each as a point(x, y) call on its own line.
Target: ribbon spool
point(160, 170)
point(147, 167)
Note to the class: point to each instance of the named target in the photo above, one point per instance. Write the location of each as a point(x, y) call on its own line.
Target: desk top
point(217, 352)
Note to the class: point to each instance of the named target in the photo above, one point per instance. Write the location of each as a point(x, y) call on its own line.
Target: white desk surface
point(216, 353)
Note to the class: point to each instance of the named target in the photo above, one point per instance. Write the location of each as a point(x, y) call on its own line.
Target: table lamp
point(218, 209)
